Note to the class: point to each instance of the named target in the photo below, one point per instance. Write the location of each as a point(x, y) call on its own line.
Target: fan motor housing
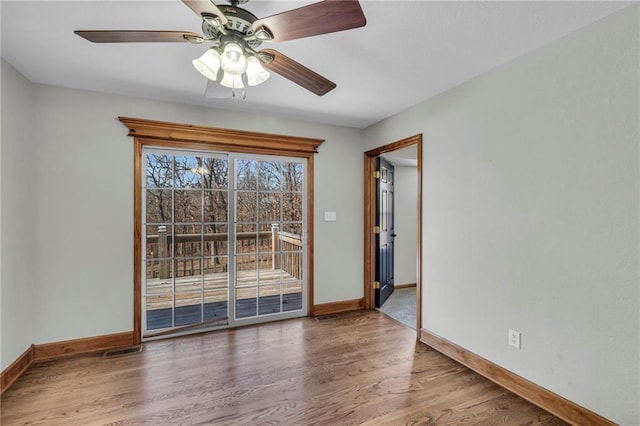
point(238, 20)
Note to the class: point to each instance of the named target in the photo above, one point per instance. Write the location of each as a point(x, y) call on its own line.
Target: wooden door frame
point(369, 221)
point(191, 137)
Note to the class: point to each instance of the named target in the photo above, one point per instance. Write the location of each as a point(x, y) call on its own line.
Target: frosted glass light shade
point(208, 64)
point(233, 60)
point(256, 73)
point(232, 81)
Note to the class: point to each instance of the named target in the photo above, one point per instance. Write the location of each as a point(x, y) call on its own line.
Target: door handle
point(394, 235)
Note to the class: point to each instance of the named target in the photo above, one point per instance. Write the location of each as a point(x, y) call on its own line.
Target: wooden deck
point(189, 290)
point(257, 293)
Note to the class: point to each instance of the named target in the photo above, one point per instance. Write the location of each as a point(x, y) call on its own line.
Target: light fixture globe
point(232, 81)
point(233, 59)
point(256, 74)
point(208, 64)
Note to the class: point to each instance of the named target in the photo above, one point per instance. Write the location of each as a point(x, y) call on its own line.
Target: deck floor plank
point(189, 290)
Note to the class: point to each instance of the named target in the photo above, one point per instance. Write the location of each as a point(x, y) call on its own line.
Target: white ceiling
point(407, 52)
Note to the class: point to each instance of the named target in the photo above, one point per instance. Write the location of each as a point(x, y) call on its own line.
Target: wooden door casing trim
point(310, 197)
point(166, 133)
point(190, 137)
point(369, 221)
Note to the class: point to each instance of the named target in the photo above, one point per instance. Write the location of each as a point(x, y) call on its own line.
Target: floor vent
point(327, 317)
point(121, 352)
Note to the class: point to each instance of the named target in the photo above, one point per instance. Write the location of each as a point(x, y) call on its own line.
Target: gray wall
point(75, 279)
point(530, 214)
point(406, 224)
point(17, 217)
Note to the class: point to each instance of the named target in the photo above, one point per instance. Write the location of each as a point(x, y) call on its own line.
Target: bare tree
point(159, 181)
point(191, 193)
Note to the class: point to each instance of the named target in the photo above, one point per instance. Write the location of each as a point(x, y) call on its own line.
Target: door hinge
point(376, 285)
point(376, 175)
point(376, 229)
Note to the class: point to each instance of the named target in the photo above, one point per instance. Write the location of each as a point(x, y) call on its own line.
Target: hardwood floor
point(354, 368)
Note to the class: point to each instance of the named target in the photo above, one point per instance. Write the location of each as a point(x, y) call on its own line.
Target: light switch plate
point(330, 216)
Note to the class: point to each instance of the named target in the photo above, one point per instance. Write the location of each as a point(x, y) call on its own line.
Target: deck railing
point(291, 245)
point(275, 250)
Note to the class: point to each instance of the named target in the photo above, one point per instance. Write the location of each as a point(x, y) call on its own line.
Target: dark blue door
point(384, 230)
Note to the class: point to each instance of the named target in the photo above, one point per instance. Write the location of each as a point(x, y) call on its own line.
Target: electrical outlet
point(514, 339)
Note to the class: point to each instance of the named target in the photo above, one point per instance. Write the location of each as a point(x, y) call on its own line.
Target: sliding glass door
point(269, 229)
point(223, 240)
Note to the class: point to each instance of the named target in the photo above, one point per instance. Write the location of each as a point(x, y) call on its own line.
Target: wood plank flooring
point(348, 369)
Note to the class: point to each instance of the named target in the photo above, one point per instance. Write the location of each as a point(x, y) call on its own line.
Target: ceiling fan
point(235, 33)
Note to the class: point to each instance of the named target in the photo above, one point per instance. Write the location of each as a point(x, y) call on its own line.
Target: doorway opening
point(374, 252)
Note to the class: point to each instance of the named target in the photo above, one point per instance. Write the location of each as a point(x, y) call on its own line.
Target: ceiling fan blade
point(139, 36)
point(318, 18)
point(298, 73)
point(206, 7)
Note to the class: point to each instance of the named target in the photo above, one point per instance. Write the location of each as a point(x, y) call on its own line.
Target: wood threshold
point(15, 370)
point(180, 329)
point(48, 351)
point(555, 404)
point(337, 307)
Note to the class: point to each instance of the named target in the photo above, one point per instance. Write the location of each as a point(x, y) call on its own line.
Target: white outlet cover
point(515, 339)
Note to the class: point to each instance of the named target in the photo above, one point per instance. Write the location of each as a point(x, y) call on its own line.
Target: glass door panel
point(185, 239)
point(216, 287)
point(223, 238)
point(269, 196)
point(158, 294)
